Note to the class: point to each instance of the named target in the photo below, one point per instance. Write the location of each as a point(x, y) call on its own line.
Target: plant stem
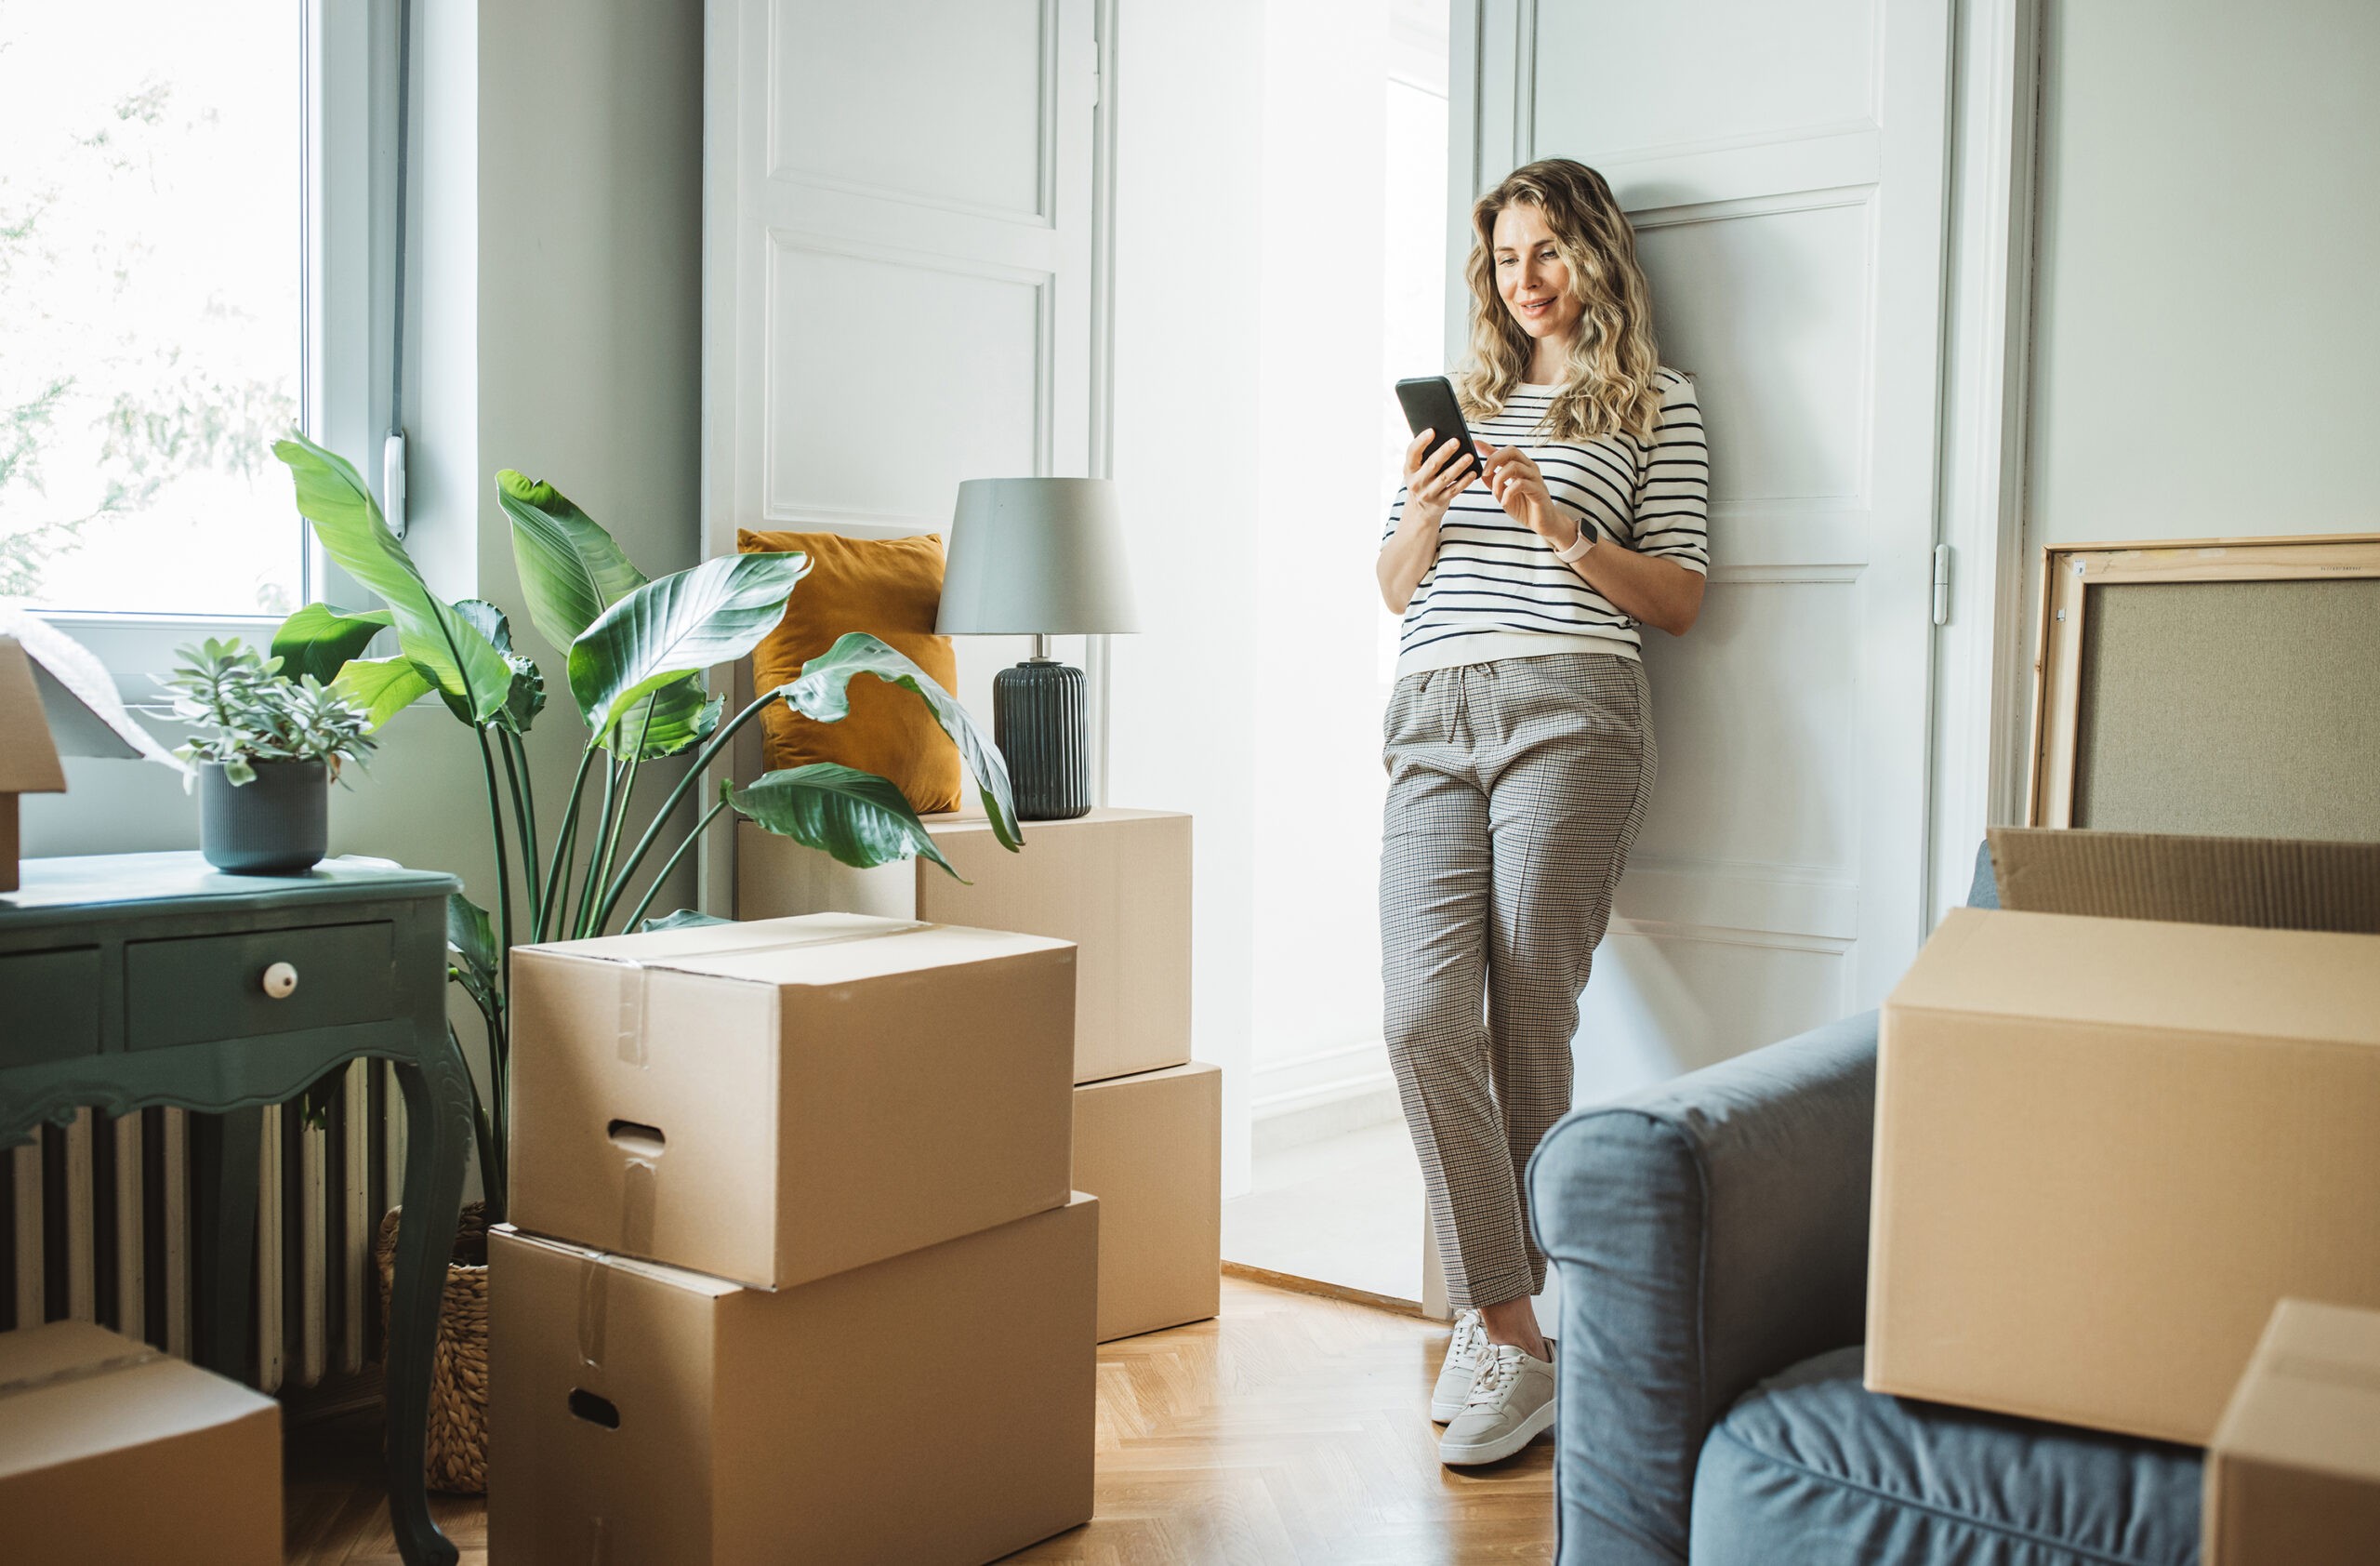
point(694, 774)
point(610, 840)
point(483, 1127)
point(557, 873)
point(503, 868)
point(669, 864)
point(499, 1057)
point(577, 927)
point(524, 817)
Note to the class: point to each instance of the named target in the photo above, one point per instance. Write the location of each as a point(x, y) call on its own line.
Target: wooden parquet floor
point(1290, 1431)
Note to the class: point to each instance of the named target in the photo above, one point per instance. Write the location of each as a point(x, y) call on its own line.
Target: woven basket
point(455, 1452)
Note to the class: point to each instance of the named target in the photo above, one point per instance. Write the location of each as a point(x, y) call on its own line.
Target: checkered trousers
point(1515, 789)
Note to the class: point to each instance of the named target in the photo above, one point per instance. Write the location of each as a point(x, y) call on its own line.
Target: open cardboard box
point(2108, 1142)
point(29, 762)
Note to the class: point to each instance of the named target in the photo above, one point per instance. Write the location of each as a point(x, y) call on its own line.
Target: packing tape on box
point(594, 1309)
point(2309, 1367)
point(83, 1372)
point(639, 1184)
point(635, 982)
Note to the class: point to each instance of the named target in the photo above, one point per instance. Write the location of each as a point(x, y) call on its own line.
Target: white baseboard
point(1328, 1093)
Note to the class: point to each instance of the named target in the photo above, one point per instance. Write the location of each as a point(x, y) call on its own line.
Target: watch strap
point(1580, 545)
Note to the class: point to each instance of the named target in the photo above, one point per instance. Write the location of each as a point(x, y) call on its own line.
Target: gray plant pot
point(276, 824)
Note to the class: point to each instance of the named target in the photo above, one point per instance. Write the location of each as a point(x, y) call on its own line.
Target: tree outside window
point(152, 329)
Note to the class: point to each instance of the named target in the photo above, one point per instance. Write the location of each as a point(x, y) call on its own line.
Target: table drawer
point(49, 1005)
point(201, 987)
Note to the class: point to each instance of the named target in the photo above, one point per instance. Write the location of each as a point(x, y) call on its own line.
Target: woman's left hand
point(1514, 478)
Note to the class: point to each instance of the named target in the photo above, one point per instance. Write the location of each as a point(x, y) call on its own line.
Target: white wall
point(1184, 732)
point(1319, 384)
point(2205, 331)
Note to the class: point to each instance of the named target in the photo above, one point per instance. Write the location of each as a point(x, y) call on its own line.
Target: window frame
point(348, 81)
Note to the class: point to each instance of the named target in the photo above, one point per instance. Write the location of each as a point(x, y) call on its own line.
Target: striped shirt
point(1496, 589)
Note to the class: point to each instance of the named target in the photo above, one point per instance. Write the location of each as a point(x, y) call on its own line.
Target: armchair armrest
point(1708, 1233)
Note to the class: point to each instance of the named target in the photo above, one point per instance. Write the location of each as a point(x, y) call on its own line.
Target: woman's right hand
point(1432, 478)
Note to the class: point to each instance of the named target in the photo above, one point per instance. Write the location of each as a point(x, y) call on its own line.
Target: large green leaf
point(682, 713)
point(471, 943)
point(680, 625)
point(382, 687)
point(525, 698)
point(318, 640)
point(332, 495)
point(857, 816)
point(821, 693)
point(571, 570)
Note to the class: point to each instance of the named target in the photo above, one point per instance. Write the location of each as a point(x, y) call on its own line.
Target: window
point(153, 304)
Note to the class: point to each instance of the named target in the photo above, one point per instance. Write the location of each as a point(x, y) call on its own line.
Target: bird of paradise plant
point(637, 650)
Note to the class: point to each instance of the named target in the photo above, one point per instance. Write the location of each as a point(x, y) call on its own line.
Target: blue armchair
point(1712, 1239)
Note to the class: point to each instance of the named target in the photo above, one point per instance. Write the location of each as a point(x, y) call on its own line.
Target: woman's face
point(1531, 275)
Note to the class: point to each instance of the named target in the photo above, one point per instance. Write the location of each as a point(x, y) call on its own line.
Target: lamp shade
point(1036, 557)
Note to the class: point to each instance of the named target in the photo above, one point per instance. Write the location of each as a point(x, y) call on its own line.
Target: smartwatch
point(1580, 545)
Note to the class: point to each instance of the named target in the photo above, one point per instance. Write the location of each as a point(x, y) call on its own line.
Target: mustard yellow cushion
point(891, 589)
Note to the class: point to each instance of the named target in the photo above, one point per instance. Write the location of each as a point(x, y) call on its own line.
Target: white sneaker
point(1462, 1364)
point(1510, 1404)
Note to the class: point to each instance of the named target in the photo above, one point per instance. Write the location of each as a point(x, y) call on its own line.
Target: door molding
point(731, 38)
point(1983, 664)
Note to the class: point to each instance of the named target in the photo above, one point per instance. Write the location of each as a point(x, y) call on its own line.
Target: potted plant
point(636, 651)
point(265, 749)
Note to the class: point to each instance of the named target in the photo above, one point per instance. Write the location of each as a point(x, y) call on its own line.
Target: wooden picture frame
point(2070, 572)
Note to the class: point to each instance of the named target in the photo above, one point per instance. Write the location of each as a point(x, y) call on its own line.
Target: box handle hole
point(638, 1140)
point(595, 1410)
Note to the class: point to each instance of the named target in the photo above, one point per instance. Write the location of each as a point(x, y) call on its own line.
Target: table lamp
point(1040, 558)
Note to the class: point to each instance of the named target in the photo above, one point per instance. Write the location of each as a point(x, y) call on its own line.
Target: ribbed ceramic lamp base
point(1044, 734)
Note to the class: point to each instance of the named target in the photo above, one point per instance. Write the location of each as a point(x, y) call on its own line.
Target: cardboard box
point(2292, 1475)
point(29, 762)
point(779, 1101)
point(1150, 1147)
point(1116, 883)
point(2105, 1147)
point(112, 1453)
point(933, 1409)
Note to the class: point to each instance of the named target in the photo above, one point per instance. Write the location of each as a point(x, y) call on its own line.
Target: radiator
point(96, 1225)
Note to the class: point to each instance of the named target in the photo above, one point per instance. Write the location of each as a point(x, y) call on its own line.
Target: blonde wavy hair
point(1608, 386)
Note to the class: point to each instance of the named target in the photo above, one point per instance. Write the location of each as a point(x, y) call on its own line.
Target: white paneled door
point(898, 239)
point(1784, 163)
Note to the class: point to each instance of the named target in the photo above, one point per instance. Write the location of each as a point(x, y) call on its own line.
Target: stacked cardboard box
point(114, 1455)
point(798, 1274)
point(2292, 1475)
point(2110, 1137)
point(1148, 1121)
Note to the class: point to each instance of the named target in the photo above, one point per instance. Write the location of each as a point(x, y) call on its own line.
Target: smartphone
point(1429, 404)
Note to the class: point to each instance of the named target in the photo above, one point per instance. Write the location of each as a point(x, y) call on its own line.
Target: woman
point(1519, 743)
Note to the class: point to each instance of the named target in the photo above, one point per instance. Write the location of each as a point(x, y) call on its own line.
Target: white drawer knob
point(280, 981)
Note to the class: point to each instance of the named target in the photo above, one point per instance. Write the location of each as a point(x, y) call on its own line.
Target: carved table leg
point(228, 1147)
point(437, 1110)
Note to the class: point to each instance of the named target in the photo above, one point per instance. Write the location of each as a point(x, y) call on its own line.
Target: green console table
point(135, 979)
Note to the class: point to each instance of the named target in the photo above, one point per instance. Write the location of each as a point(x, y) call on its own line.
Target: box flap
point(831, 947)
point(28, 756)
point(2129, 972)
point(2273, 884)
